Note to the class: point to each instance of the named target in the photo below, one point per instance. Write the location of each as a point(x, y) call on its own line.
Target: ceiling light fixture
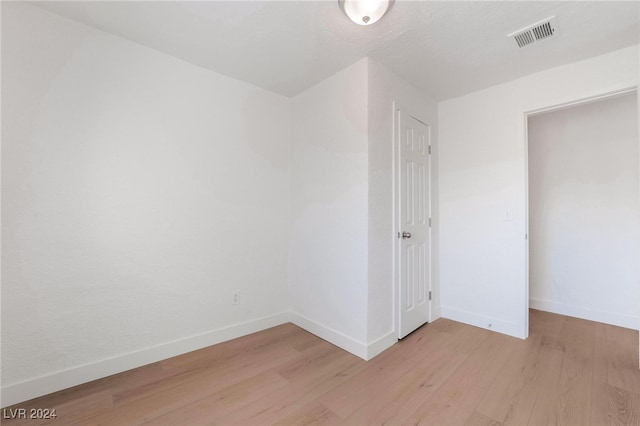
point(365, 12)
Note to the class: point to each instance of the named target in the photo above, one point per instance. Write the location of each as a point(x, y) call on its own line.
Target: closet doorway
point(584, 209)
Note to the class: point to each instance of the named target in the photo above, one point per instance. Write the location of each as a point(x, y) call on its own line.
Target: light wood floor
point(569, 371)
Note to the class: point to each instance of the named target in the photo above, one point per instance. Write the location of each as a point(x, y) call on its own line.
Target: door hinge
point(429, 294)
point(429, 149)
point(429, 222)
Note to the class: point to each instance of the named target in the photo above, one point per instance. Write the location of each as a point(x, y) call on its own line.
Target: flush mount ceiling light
point(365, 12)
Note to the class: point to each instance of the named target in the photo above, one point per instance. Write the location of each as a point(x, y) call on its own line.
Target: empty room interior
point(346, 212)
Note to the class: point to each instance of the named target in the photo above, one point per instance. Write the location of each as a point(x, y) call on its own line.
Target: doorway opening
point(583, 209)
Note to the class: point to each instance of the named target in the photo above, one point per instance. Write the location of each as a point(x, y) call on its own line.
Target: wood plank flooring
point(569, 372)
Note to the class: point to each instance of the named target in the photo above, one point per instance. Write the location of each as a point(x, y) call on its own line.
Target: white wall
point(482, 186)
point(138, 191)
point(329, 184)
point(341, 261)
point(385, 88)
point(583, 211)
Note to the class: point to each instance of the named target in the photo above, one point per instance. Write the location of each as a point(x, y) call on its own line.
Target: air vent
point(535, 32)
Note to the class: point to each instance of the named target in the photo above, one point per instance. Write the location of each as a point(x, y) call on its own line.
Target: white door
point(414, 230)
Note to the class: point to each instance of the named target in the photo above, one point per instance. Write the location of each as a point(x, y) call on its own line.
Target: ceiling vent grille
point(535, 32)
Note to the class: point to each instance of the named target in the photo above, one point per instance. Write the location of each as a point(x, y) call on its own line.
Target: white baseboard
point(613, 318)
point(38, 386)
point(436, 313)
point(482, 321)
point(330, 335)
point(381, 344)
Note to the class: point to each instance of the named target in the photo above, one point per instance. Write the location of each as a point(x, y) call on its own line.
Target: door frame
point(396, 181)
point(523, 134)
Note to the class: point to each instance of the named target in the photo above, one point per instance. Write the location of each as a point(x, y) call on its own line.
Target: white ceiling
point(446, 48)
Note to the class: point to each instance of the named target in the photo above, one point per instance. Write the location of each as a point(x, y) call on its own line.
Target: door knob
point(406, 235)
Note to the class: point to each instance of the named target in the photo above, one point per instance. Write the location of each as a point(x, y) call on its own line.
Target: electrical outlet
point(236, 297)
